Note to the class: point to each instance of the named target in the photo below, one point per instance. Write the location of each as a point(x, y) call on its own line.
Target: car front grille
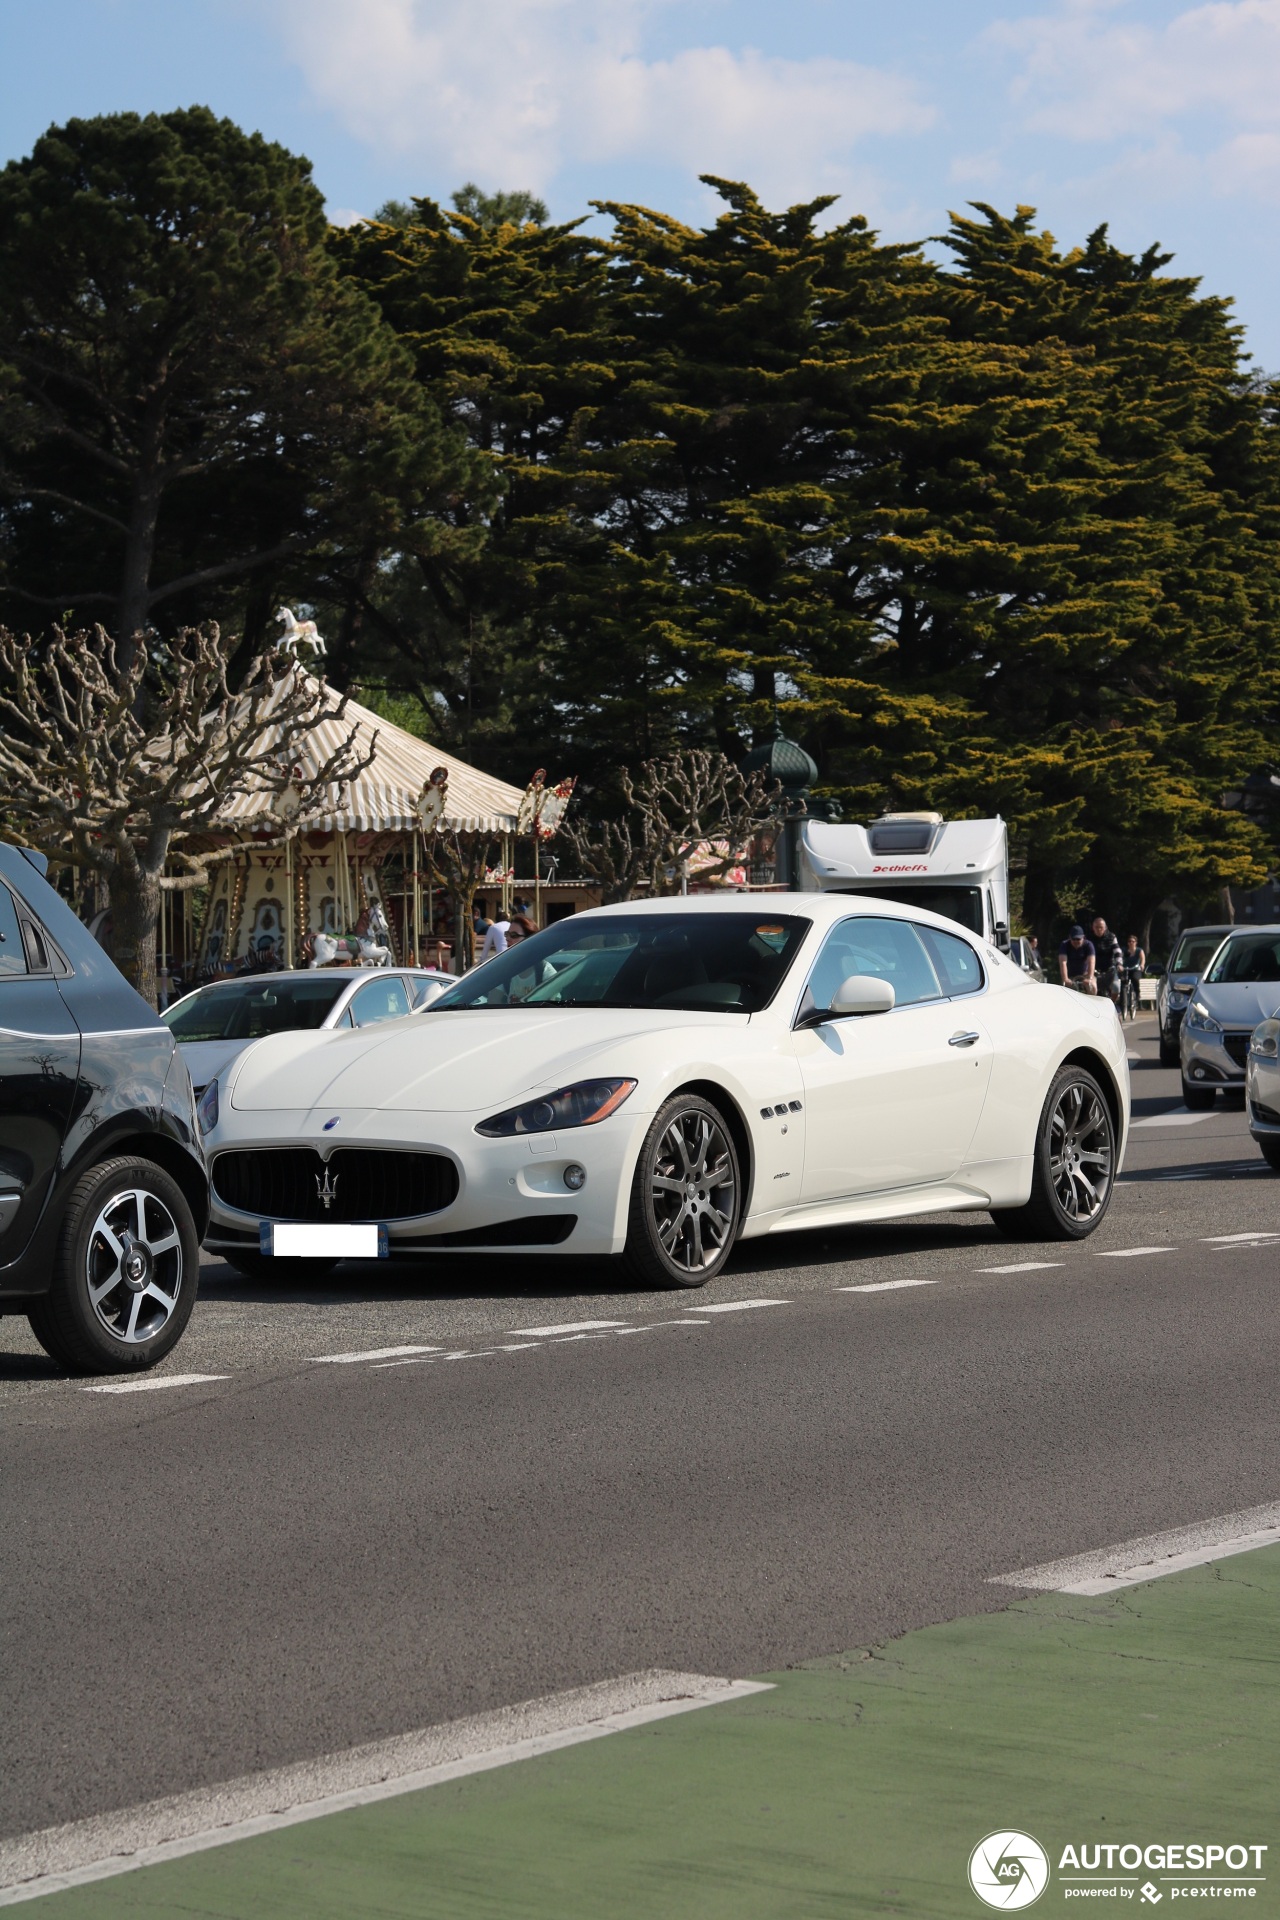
point(1237, 1045)
point(362, 1183)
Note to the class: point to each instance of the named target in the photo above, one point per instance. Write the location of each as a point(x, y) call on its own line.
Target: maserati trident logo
point(327, 1188)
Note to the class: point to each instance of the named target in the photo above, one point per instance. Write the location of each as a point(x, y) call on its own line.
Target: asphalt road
point(301, 1554)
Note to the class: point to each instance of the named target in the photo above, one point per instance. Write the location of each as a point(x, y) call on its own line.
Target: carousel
point(383, 870)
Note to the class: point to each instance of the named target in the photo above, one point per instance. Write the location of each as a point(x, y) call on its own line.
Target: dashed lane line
point(1175, 1117)
point(1256, 1239)
point(885, 1286)
point(370, 1353)
point(1130, 1253)
point(1023, 1266)
point(737, 1306)
point(655, 1325)
point(153, 1385)
point(568, 1326)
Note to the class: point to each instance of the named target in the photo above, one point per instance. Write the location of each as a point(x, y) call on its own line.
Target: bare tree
point(686, 802)
point(120, 766)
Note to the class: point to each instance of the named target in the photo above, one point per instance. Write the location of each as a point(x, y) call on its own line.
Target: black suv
point(103, 1193)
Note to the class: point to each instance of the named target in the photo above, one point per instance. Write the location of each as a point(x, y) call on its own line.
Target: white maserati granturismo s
point(661, 1079)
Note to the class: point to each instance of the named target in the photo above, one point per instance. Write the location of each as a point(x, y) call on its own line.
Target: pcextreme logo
point(1008, 1870)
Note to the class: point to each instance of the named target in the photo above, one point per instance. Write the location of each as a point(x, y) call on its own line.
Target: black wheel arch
point(1098, 1066)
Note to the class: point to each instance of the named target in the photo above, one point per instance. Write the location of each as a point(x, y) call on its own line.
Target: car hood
point(206, 1059)
point(1241, 1006)
point(449, 1062)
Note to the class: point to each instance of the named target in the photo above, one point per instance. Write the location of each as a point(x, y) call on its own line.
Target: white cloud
point(512, 91)
point(1091, 74)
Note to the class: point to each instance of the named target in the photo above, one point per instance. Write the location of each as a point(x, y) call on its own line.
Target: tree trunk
point(135, 913)
point(134, 606)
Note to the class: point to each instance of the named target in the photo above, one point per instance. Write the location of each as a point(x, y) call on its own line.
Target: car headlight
point(581, 1105)
point(207, 1108)
point(1264, 1041)
point(1200, 1020)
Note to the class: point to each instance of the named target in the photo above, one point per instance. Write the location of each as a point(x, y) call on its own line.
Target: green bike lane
point(1146, 1718)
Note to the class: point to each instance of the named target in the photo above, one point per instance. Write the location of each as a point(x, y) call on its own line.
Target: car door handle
point(963, 1039)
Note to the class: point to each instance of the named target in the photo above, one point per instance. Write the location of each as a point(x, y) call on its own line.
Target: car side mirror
point(1001, 932)
point(860, 993)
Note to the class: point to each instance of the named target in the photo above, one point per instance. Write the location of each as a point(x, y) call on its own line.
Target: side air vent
point(905, 832)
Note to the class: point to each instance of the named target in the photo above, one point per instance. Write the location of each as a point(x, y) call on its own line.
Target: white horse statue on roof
point(298, 633)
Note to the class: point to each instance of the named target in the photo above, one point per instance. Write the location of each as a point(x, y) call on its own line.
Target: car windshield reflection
point(690, 962)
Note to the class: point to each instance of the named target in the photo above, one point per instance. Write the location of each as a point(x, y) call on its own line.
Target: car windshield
point(1246, 958)
point(698, 962)
point(1194, 952)
point(247, 1009)
point(961, 904)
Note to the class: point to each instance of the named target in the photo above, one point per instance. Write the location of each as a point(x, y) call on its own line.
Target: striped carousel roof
point(381, 799)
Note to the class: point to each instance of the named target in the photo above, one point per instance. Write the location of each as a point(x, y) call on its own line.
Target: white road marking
point(885, 1286)
point(1131, 1253)
point(1176, 1117)
point(737, 1306)
point(109, 1844)
point(565, 1339)
point(1022, 1266)
point(370, 1353)
point(519, 1346)
point(653, 1326)
point(569, 1326)
point(1240, 1239)
point(152, 1386)
point(1153, 1555)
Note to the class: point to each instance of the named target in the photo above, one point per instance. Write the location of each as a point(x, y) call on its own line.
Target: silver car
point(1262, 1089)
point(215, 1023)
point(1239, 988)
point(1195, 949)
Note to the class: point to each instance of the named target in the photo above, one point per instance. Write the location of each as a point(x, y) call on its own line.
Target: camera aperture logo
point(1008, 1870)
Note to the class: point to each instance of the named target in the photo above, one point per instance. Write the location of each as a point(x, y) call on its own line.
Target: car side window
point(955, 962)
point(380, 1000)
point(13, 957)
point(884, 949)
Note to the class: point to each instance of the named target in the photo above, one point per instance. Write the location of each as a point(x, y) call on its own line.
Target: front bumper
point(1213, 1059)
point(511, 1194)
point(1262, 1094)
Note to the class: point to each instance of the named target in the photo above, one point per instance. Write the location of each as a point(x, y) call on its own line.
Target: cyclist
point(1109, 959)
point(1134, 961)
point(1076, 961)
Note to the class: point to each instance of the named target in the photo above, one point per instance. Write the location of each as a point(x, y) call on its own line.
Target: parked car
point(103, 1195)
point(215, 1023)
point(1022, 951)
point(1194, 950)
point(1238, 989)
point(699, 1071)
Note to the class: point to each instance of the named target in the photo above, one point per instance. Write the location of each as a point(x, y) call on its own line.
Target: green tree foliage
point(493, 210)
point(190, 393)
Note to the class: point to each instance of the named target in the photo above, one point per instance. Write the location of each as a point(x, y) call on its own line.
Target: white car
point(214, 1023)
point(700, 1071)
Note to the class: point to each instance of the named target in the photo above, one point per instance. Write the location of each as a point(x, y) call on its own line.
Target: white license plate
point(326, 1240)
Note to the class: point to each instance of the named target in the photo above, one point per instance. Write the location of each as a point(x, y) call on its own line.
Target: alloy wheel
point(134, 1265)
point(1080, 1152)
point(693, 1191)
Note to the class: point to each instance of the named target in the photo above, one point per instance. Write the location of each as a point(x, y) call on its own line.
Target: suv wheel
point(686, 1197)
point(125, 1274)
point(1074, 1164)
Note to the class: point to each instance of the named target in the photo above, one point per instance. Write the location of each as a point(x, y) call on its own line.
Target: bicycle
point(1130, 995)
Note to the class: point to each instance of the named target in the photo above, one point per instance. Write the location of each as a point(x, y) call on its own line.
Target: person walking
point(1077, 961)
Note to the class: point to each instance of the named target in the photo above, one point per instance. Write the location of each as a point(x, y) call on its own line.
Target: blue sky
point(1161, 118)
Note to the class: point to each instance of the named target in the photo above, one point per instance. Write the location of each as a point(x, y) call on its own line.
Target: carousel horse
point(367, 946)
point(298, 633)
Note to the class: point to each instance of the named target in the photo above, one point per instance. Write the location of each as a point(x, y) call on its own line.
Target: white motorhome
point(956, 867)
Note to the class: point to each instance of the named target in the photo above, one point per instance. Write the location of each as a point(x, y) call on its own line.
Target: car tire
point(1270, 1151)
point(264, 1266)
point(125, 1273)
point(1065, 1203)
point(686, 1197)
point(1169, 1053)
point(1198, 1099)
